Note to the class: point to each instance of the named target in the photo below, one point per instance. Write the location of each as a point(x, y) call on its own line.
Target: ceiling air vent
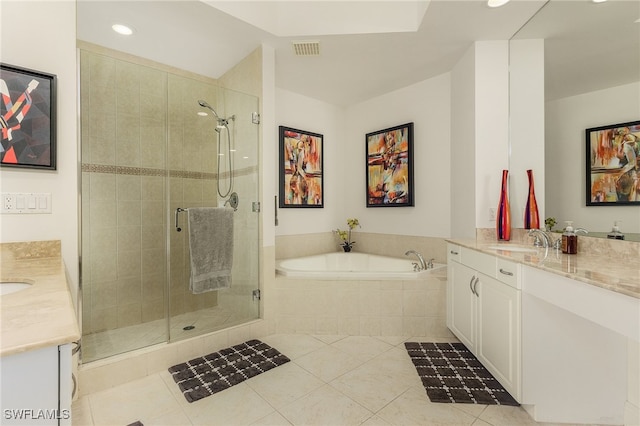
point(306, 48)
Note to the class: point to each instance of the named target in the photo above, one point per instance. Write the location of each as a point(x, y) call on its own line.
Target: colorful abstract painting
point(301, 167)
point(27, 118)
point(613, 164)
point(390, 167)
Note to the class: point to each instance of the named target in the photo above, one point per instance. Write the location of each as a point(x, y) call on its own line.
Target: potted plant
point(345, 236)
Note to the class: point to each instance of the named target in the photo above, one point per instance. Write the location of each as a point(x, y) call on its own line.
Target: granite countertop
point(43, 314)
point(612, 265)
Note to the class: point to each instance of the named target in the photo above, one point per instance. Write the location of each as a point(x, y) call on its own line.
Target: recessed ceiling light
point(122, 29)
point(598, 1)
point(497, 3)
point(202, 114)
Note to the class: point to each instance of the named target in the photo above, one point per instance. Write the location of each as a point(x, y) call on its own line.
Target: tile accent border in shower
point(144, 171)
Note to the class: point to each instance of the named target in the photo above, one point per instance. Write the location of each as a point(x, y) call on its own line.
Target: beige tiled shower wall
point(141, 139)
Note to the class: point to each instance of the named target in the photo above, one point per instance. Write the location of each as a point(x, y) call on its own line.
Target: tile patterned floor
point(331, 380)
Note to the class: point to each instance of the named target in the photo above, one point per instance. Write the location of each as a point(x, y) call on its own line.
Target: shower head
point(204, 104)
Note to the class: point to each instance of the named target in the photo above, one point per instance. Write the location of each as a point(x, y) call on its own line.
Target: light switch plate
point(25, 203)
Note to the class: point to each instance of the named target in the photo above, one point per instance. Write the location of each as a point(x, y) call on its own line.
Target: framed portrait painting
point(27, 118)
point(613, 164)
point(389, 167)
point(301, 168)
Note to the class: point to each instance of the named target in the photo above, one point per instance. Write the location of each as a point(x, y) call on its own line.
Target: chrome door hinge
point(255, 118)
point(255, 206)
point(256, 294)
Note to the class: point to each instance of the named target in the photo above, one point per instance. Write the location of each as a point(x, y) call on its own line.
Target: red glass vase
point(531, 216)
point(503, 216)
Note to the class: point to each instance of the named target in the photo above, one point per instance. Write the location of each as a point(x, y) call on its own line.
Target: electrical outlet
point(8, 202)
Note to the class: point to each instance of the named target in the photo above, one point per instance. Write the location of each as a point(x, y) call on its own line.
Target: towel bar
point(179, 210)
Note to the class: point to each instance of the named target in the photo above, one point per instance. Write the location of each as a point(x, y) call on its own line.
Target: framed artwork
point(613, 165)
point(28, 118)
point(301, 168)
point(390, 167)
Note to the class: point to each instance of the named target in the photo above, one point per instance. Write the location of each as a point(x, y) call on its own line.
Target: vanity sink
point(8, 287)
point(514, 248)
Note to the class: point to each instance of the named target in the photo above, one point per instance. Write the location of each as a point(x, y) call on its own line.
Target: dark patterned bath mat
point(451, 373)
point(220, 370)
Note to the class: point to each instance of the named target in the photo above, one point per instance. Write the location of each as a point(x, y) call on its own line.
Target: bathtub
point(352, 266)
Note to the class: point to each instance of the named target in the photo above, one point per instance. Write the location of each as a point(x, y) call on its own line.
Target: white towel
point(210, 248)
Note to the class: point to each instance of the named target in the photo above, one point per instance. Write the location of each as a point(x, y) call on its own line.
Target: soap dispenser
point(569, 239)
point(615, 233)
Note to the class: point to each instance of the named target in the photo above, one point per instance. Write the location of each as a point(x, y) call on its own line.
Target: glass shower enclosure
point(147, 149)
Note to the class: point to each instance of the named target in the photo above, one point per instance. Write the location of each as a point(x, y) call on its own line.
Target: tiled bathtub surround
point(362, 308)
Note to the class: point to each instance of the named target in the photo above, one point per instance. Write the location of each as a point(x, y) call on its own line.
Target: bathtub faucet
point(423, 265)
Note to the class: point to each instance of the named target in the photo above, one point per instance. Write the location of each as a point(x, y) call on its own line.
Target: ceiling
point(372, 47)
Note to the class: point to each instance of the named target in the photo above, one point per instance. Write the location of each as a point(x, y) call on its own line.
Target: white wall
point(304, 113)
point(42, 36)
point(268, 145)
point(463, 147)
point(526, 121)
point(427, 105)
point(566, 121)
point(491, 125)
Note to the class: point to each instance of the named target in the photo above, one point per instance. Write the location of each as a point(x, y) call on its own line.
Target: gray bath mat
point(450, 373)
point(220, 370)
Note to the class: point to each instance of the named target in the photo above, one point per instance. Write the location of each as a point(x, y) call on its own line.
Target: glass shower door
point(200, 173)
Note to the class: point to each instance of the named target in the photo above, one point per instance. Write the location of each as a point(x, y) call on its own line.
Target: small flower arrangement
point(345, 236)
point(549, 223)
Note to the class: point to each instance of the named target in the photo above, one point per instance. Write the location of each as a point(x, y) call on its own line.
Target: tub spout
point(423, 264)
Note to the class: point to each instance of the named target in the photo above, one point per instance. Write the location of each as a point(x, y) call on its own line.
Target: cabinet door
point(462, 303)
point(498, 345)
point(30, 387)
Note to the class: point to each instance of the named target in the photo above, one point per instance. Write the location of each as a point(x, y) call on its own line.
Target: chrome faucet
point(423, 265)
point(544, 239)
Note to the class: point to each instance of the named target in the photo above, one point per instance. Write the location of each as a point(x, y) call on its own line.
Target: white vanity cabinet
point(483, 311)
point(37, 387)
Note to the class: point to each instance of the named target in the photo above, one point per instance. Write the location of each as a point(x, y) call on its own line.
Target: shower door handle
point(178, 210)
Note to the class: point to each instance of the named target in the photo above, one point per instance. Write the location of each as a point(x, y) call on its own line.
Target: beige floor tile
point(472, 409)
point(325, 406)
point(81, 412)
point(237, 405)
point(273, 419)
point(329, 338)
point(362, 347)
point(379, 381)
point(375, 421)
point(372, 391)
point(173, 418)
point(293, 345)
point(142, 399)
point(328, 363)
point(393, 340)
point(501, 415)
point(414, 408)
point(284, 384)
point(479, 422)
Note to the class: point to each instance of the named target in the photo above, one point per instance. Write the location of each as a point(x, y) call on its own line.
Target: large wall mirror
point(592, 78)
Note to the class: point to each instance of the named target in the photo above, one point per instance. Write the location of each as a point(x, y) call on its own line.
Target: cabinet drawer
point(508, 272)
point(481, 262)
point(453, 253)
